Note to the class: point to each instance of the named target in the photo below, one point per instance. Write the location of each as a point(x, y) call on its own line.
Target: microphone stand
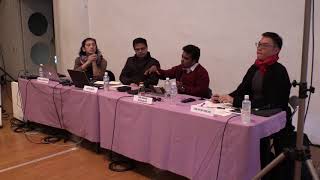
point(300, 153)
point(7, 74)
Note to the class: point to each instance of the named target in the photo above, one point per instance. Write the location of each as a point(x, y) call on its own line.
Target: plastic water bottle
point(167, 88)
point(142, 90)
point(106, 81)
point(246, 110)
point(174, 89)
point(41, 70)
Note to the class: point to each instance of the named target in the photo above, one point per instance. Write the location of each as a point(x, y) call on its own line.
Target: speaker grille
point(40, 53)
point(38, 24)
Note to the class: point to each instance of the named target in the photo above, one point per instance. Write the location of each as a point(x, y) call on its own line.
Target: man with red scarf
point(268, 85)
point(266, 82)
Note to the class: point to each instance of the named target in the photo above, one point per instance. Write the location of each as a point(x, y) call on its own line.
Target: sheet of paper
point(220, 109)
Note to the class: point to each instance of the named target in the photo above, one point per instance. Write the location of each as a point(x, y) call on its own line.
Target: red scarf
point(262, 65)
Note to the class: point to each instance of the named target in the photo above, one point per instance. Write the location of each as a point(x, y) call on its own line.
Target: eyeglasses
point(262, 45)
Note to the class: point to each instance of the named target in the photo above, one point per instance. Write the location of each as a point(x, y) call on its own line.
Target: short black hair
point(193, 50)
point(277, 40)
point(139, 40)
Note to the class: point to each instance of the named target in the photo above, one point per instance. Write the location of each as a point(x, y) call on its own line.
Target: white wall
point(71, 27)
point(11, 37)
point(225, 30)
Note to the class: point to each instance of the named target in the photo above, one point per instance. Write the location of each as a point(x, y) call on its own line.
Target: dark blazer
point(133, 71)
point(276, 88)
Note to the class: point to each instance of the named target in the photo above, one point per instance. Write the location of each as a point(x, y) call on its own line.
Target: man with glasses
point(133, 71)
point(268, 85)
point(267, 81)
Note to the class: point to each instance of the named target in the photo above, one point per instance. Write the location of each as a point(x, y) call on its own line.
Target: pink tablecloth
point(78, 113)
point(165, 134)
point(169, 136)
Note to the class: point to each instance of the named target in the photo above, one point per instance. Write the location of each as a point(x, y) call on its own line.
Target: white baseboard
point(16, 101)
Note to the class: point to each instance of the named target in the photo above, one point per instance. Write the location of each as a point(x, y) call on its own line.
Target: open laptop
point(50, 73)
point(80, 79)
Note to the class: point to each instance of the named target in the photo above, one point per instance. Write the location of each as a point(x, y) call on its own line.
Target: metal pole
point(269, 167)
point(303, 78)
point(312, 170)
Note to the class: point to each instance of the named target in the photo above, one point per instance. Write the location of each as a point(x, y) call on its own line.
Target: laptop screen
point(79, 78)
point(50, 72)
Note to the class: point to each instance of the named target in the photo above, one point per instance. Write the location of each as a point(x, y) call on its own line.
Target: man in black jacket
point(266, 82)
point(268, 85)
point(133, 71)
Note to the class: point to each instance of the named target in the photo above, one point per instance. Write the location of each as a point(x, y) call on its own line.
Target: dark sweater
point(133, 71)
point(275, 88)
point(196, 83)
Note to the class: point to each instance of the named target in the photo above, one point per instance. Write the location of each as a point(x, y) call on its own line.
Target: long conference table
point(165, 134)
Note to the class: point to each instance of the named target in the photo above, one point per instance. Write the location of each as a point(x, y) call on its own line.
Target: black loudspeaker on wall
point(37, 33)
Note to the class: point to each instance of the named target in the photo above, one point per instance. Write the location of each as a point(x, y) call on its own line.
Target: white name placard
point(142, 99)
point(43, 80)
point(202, 110)
point(90, 89)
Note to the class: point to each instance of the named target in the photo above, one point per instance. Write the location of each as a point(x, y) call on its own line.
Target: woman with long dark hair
point(90, 60)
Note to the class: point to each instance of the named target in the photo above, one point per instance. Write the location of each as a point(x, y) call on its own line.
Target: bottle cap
point(246, 96)
point(167, 78)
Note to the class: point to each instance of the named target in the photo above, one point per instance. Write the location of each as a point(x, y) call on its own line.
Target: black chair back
point(111, 75)
point(294, 103)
